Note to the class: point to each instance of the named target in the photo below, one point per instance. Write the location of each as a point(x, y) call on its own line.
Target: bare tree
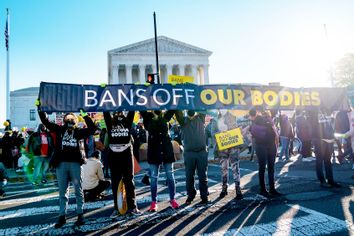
point(344, 71)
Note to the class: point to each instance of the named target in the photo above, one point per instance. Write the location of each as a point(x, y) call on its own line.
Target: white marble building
point(132, 63)
point(23, 112)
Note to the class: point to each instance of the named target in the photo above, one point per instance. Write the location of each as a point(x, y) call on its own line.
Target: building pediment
point(165, 46)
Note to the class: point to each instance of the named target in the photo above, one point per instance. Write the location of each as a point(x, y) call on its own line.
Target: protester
point(7, 149)
point(323, 139)
point(286, 134)
point(303, 132)
point(266, 137)
point(120, 158)
point(349, 135)
point(3, 179)
point(160, 151)
point(342, 126)
point(195, 153)
point(226, 121)
point(68, 160)
point(40, 145)
point(94, 182)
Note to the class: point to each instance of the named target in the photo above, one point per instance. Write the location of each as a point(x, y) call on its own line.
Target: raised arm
point(130, 118)
point(90, 130)
point(50, 125)
point(108, 120)
point(169, 114)
point(180, 117)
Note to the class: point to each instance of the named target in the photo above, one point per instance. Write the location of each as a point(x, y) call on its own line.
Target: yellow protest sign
point(229, 139)
point(179, 79)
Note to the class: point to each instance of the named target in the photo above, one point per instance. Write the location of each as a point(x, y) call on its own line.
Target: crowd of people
point(86, 155)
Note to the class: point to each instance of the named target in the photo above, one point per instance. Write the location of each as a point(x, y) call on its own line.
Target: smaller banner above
point(229, 139)
point(179, 79)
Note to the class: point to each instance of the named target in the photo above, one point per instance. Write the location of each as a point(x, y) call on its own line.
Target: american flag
point(7, 31)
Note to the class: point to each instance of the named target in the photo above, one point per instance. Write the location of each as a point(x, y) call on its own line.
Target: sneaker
point(80, 220)
point(174, 204)
point(204, 201)
point(189, 200)
point(153, 207)
point(264, 193)
point(114, 214)
point(223, 194)
point(334, 185)
point(61, 221)
point(134, 212)
point(275, 193)
point(44, 181)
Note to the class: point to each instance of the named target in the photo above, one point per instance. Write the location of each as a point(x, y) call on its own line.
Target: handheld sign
point(229, 139)
point(178, 79)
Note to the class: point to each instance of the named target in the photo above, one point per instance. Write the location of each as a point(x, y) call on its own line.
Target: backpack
point(258, 131)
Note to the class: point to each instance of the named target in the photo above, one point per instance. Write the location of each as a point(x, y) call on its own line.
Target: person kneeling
point(93, 179)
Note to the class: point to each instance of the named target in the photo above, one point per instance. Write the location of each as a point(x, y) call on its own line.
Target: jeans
point(323, 153)
point(154, 175)
point(41, 165)
point(70, 172)
point(285, 142)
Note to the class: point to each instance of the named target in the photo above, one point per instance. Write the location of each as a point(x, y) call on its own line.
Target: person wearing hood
point(69, 160)
point(120, 158)
point(40, 146)
point(160, 151)
point(226, 121)
point(195, 153)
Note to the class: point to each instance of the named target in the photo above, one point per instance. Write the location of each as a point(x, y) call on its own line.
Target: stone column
point(114, 74)
point(142, 76)
point(128, 74)
point(168, 71)
point(195, 74)
point(182, 69)
point(206, 74)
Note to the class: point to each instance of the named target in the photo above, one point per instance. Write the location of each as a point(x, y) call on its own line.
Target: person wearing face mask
point(226, 121)
point(195, 153)
point(120, 158)
point(160, 151)
point(40, 145)
point(70, 159)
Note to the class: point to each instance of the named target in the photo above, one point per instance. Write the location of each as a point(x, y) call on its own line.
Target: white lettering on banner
point(119, 131)
point(88, 98)
point(188, 95)
point(175, 96)
point(141, 96)
point(154, 96)
point(121, 93)
point(107, 93)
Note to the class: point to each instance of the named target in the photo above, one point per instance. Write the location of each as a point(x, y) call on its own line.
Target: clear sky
point(252, 41)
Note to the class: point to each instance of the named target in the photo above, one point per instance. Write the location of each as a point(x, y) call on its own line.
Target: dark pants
point(306, 148)
point(323, 153)
point(93, 193)
point(266, 156)
point(121, 165)
point(196, 161)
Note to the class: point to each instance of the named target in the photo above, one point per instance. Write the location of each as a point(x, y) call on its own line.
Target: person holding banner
point(120, 158)
point(69, 159)
point(160, 151)
point(195, 153)
point(230, 156)
point(266, 137)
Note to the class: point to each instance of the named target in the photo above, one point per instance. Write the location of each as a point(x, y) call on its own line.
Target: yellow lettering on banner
point(297, 98)
point(229, 139)
point(286, 98)
point(315, 98)
point(306, 99)
point(256, 97)
point(208, 93)
point(270, 98)
point(239, 97)
point(222, 98)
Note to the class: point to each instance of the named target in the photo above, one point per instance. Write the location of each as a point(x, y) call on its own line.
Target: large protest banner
point(56, 97)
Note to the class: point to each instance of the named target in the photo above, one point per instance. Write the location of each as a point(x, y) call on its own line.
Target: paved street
point(304, 209)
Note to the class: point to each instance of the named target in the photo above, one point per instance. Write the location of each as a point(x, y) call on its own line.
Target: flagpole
point(7, 32)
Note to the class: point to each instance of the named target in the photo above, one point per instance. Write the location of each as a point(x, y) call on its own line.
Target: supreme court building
point(132, 63)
